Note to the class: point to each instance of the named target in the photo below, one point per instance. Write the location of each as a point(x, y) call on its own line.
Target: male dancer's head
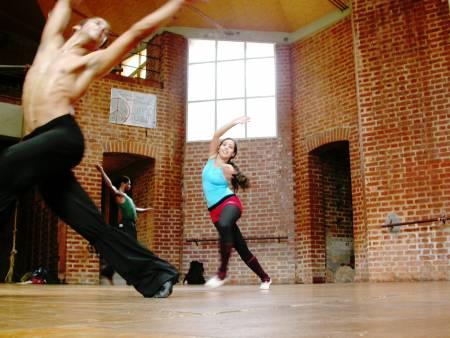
point(94, 31)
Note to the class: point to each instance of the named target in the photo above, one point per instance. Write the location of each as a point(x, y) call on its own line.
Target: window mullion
point(215, 89)
point(245, 87)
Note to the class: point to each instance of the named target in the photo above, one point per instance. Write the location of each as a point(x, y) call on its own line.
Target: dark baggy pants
point(45, 157)
point(128, 226)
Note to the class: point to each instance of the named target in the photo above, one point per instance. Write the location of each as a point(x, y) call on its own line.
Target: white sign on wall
point(132, 108)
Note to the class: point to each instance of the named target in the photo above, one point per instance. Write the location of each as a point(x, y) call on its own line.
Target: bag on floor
point(195, 274)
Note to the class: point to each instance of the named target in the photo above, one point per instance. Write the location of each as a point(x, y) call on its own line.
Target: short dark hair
point(123, 179)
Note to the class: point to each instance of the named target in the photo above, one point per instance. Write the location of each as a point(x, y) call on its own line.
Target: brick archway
point(311, 263)
point(69, 254)
point(139, 158)
point(341, 133)
point(130, 147)
point(330, 212)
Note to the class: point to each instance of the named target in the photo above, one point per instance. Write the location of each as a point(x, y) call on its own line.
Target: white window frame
point(244, 98)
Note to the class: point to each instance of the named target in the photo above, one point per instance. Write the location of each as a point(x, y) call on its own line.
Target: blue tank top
point(215, 186)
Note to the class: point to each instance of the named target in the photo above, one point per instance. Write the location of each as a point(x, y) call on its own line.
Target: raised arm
point(222, 130)
point(108, 181)
point(58, 19)
point(102, 61)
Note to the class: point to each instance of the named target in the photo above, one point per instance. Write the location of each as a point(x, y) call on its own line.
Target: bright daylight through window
point(227, 79)
point(134, 66)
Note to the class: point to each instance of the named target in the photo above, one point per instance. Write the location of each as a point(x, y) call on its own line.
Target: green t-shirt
point(128, 209)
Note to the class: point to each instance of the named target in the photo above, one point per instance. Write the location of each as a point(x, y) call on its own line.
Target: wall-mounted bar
point(255, 238)
point(393, 221)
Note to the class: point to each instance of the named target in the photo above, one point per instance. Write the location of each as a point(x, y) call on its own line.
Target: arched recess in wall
point(141, 171)
point(137, 161)
point(330, 205)
point(331, 210)
point(315, 141)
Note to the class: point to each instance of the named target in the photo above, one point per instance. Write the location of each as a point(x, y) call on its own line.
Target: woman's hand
point(242, 120)
point(215, 142)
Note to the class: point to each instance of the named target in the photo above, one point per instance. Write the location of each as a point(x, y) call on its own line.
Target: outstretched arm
point(142, 209)
point(58, 19)
point(108, 181)
point(222, 130)
point(102, 61)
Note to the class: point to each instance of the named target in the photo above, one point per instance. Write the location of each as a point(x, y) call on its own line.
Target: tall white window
point(227, 79)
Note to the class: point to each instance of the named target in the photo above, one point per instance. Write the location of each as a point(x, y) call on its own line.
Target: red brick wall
point(268, 204)
point(144, 197)
point(324, 111)
point(402, 67)
point(164, 144)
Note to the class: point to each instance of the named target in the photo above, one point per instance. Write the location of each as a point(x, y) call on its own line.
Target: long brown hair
point(239, 180)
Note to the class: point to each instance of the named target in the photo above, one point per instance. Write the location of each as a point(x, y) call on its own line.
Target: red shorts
point(217, 209)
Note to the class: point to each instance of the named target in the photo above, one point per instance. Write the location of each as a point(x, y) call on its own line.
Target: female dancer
point(225, 207)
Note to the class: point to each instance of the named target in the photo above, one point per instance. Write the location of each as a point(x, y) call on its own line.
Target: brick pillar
point(402, 67)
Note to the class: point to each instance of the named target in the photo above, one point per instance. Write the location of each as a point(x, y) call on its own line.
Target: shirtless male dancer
point(53, 144)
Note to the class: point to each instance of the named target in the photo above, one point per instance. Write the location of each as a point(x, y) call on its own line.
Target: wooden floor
point(385, 310)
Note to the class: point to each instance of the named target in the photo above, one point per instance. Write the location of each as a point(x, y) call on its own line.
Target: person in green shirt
point(128, 211)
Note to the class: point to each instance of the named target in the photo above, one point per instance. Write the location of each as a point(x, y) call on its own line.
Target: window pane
point(255, 49)
point(228, 110)
point(260, 77)
point(129, 65)
point(202, 50)
point(143, 64)
point(230, 79)
point(200, 121)
point(127, 71)
point(201, 82)
point(222, 85)
point(262, 113)
point(230, 50)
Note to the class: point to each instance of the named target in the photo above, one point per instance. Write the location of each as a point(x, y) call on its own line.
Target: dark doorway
point(331, 212)
point(140, 170)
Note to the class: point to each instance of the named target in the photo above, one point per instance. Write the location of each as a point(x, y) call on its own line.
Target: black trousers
point(128, 226)
point(45, 158)
point(230, 233)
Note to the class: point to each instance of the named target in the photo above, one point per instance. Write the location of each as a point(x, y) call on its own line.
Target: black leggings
point(231, 236)
point(230, 233)
point(45, 158)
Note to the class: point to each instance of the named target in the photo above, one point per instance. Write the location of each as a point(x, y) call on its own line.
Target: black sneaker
point(165, 290)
